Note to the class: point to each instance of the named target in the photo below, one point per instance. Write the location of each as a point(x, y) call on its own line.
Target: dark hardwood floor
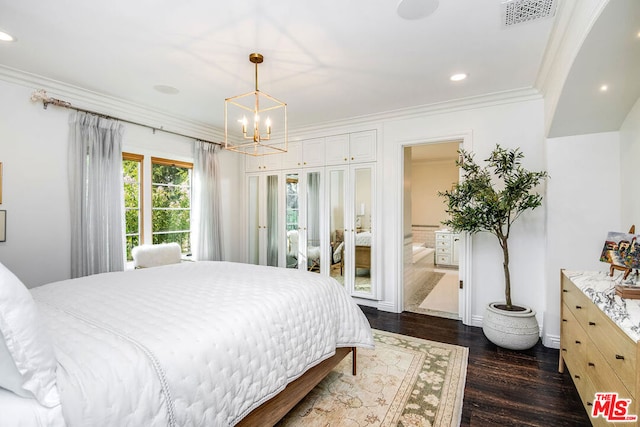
point(503, 387)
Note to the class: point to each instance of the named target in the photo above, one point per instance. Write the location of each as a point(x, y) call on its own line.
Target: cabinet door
point(313, 152)
point(361, 237)
point(337, 149)
point(351, 206)
point(292, 159)
point(362, 146)
point(263, 219)
point(292, 225)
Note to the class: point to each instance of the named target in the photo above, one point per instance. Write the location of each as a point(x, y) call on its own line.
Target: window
point(132, 177)
point(169, 184)
point(171, 202)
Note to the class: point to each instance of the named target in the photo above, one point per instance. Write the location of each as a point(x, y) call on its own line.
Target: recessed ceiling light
point(604, 88)
point(6, 37)
point(168, 90)
point(416, 9)
point(457, 77)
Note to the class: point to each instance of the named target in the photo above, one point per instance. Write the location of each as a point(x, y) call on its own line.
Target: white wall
point(512, 124)
point(583, 204)
point(427, 179)
point(629, 166)
point(33, 151)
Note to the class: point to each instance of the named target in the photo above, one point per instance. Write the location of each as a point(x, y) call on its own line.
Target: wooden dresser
point(600, 356)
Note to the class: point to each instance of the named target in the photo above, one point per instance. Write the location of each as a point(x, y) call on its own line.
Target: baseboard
point(476, 321)
point(551, 341)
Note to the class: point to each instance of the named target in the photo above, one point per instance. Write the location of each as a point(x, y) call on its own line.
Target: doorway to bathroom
point(432, 253)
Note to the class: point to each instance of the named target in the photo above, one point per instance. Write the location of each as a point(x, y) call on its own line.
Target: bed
point(362, 257)
point(204, 343)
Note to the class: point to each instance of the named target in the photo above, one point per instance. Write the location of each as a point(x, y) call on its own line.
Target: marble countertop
point(600, 288)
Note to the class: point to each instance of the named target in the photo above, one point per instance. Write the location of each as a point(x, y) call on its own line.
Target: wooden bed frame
point(272, 411)
point(363, 258)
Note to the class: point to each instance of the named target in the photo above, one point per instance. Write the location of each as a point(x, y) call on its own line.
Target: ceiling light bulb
point(458, 77)
point(6, 37)
point(604, 88)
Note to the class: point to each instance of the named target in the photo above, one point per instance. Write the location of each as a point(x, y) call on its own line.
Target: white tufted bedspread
point(198, 344)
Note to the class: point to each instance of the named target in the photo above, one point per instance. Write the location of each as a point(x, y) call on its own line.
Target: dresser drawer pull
point(592, 323)
point(591, 364)
point(589, 404)
point(565, 290)
point(578, 342)
point(579, 307)
point(564, 349)
point(576, 376)
point(564, 320)
point(619, 357)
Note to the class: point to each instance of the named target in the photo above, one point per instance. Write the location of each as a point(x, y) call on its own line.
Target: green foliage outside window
point(171, 205)
point(131, 177)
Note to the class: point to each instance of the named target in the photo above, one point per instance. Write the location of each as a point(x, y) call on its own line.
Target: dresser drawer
point(443, 243)
point(573, 342)
point(443, 236)
point(617, 349)
point(603, 377)
point(443, 250)
point(576, 300)
point(443, 259)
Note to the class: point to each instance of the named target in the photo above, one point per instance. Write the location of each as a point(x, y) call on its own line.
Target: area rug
point(404, 381)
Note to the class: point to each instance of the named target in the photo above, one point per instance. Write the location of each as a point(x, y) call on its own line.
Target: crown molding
point(111, 106)
point(373, 120)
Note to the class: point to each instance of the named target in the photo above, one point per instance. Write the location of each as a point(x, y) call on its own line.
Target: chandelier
point(255, 123)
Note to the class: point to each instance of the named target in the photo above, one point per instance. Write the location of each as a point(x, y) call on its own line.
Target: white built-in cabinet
point(313, 207)
point(358, 147)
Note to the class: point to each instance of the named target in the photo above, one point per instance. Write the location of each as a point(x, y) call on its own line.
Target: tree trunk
point(507, 276)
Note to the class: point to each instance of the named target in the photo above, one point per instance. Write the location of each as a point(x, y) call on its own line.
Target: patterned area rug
point(404, 381)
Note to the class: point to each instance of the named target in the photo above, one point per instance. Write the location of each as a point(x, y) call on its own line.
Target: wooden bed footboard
point(363, 257)
point(272, 411)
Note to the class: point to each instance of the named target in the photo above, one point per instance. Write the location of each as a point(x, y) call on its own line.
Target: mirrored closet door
point(263, 217)
point(303, 220)
point(351, 203)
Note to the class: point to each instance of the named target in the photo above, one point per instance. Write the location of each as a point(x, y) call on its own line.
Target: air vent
point(516, 12)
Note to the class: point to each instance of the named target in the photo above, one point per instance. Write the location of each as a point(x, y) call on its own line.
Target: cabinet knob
point(564, 290)
point(592, 323)
point(591, 364)
point(578, 342)
point(345, 159)
point(564, 320)
point(619, 357)
point(576, 376)
point(579, 307)
point(352, 158)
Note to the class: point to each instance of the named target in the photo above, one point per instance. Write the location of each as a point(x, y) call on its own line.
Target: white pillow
point(145, 256)
point(27, 359)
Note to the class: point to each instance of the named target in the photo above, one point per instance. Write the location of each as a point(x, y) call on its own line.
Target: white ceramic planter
point(515, 330)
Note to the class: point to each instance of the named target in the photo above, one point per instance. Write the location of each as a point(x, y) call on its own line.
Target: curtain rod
point(41, 95)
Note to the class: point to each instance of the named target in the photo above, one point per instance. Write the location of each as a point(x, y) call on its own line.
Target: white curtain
point(272, 220)
point(206, 235)
point(96, 194)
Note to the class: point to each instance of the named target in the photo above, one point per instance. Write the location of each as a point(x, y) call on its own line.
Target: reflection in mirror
point(292, 216)
point(313, 221)
point(272, 220)
point(336, 224)
point(254, 218)
point(362, 221)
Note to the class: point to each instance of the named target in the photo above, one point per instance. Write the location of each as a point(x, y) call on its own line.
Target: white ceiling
point(610, 56)
point(329, 60)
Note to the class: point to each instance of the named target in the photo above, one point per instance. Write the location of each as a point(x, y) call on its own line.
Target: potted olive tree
point(490, 199)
